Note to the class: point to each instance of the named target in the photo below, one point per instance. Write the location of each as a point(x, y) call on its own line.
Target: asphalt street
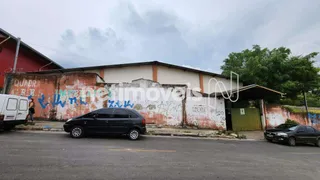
point(29, 155)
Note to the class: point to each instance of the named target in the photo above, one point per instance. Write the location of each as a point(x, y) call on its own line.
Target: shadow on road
point(105, 136)
point(297, 145)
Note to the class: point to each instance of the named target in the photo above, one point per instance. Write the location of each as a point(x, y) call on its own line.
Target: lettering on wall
point(57, 101)
point(25, 83)
point(119, 104)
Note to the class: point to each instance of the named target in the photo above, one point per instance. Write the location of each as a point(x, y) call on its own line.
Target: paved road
point(56, 156)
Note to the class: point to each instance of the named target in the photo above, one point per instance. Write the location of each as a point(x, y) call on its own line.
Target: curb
point(37, 129)
point(154, 134)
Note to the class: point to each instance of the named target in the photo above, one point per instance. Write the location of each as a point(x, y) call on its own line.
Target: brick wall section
point(58, 96)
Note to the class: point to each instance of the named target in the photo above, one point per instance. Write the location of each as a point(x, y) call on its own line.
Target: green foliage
point(301, 109)
point(312, 99)
point(276, 69)
point(289, 121)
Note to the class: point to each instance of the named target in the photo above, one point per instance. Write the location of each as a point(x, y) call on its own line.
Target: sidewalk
point(151, 130)
point(257, 135)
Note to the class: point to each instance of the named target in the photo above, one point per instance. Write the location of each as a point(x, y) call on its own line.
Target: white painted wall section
point(206, 113)
point(127, 74)
point(168, 75)
point(209, 86)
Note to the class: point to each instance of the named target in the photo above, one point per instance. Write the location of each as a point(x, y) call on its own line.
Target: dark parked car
point(107, 121)
point(293, 134)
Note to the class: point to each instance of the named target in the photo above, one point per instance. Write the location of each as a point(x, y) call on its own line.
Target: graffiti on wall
point(155, 112)
point(201, 115)
point(160, 111)
point(276, 115)
point(314, 118)
point(58, 102)
point(119, 104)
point(66, 102)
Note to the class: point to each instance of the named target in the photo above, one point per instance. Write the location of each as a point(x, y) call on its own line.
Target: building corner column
point(101, 73)
point(155, 72)
point(201, 82)
point(263, 115)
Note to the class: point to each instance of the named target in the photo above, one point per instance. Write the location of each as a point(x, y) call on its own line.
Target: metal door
point(23, 109)
point(10, 110)
point(244, 119)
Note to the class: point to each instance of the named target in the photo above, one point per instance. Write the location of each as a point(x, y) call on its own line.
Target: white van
point(13, 110)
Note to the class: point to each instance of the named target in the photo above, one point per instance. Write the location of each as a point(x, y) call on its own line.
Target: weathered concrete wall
point(141, 96)
point(201, 115)
point(276, 115)
point(63, 96)
point(160, 105)
point(58, 96)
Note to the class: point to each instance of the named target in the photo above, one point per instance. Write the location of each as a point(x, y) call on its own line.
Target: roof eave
point(30, 48)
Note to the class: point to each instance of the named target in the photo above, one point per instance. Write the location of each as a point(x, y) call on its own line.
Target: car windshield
point(293, 128)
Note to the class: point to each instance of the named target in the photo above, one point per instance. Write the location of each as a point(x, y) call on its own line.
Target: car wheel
point(77, 132)
point(292, 141)
point(134, 134)
point(318, 142)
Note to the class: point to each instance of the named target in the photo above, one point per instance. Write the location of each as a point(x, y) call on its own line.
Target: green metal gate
point(245, 119)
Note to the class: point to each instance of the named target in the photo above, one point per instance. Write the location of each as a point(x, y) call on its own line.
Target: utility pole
point(306, 106)
point(16, 56)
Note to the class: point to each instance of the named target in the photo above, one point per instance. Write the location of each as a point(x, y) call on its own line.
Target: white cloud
point(192, 33)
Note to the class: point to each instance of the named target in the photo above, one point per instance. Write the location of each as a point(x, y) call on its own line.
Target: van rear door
point(22, 109)
point(10, 109)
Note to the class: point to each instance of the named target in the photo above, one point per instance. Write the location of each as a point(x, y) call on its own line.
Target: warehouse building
point(65, 93)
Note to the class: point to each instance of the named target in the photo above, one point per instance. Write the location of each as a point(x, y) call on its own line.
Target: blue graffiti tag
point(315, 118)
point(83, 102)
point(312, 116)
point(30, 96)
point(118, 104)
point(73, 100)
point(41, 102)
point(57, 101)
point(127, 103)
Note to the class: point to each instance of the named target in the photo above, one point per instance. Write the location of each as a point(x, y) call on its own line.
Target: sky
point(198, 34)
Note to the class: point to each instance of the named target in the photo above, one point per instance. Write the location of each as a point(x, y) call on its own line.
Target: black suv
point(107, 121)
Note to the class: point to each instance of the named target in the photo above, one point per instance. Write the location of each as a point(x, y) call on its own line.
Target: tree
point(276, 69)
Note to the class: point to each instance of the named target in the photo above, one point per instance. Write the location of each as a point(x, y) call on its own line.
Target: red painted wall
point(58, 96)
point(27, 60)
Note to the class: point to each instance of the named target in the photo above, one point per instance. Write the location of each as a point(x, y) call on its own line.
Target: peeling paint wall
point(276, 115)
point(156, 110)
point(201, 115)
point(58, 96)
point(63, 96)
